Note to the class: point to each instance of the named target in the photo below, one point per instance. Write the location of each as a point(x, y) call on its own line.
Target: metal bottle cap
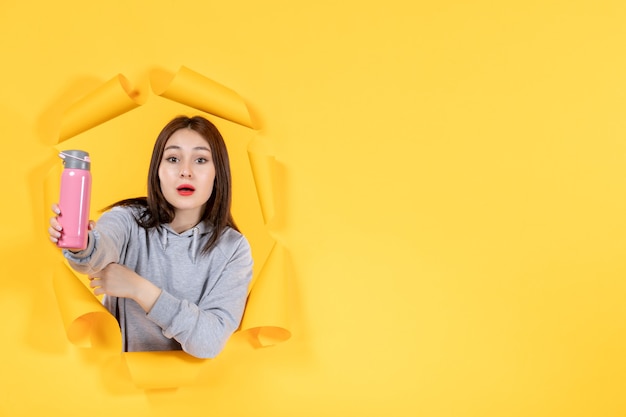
point(76, 159)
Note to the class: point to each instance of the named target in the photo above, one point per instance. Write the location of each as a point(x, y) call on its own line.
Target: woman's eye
point(171, 159)
point(202, 160)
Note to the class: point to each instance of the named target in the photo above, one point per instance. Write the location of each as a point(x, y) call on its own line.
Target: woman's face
point(187, 173)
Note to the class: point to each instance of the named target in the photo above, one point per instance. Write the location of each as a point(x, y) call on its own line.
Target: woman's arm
point(105, 242)
point(202, 329)
point(119, 281)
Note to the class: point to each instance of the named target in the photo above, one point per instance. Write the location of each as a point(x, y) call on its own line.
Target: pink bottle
point(75, 199)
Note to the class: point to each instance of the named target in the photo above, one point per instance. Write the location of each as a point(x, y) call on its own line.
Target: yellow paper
point(162, 370)
point(110, 100)
point(262, 165)
point(87, 322)
point(202, 93)
point(52, 183)
point(266, 316)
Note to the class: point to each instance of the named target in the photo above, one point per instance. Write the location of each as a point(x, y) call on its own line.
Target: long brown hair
point(157, 211)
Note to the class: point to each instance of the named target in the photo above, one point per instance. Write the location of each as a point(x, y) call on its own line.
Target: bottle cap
point(76, 159)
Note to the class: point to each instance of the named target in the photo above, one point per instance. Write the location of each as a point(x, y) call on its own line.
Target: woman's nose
point(185, 172)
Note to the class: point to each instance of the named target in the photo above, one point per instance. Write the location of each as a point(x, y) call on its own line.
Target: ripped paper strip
point(111, 99)
point(87, 324)
point(197, 91)
point(158, 370)
point(263, 170)
point(266, 317)
point(86, 321)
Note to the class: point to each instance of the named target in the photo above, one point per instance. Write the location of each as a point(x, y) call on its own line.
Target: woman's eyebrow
point(197, 148)
point(202, 148)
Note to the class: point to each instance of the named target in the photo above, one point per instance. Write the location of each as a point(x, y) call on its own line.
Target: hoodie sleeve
point(203, 329)
point(105, 242)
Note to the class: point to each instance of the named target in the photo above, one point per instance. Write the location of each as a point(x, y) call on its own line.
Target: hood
point(195, 233)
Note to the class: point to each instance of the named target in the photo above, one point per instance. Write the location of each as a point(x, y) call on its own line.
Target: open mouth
point(185, 189)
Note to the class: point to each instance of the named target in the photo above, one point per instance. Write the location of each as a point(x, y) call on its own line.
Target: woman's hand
point(55, 230)
point(118, 281)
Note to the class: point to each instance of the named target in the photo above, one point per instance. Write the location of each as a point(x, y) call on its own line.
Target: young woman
point(173, 266)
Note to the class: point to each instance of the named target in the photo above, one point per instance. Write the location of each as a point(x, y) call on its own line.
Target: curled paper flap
point(89, 325)
point(111, 99)
point(266, 317)
point(52, 183)
point(263, 171)
point(86, 321)
point(160, 370)
point(197, 91)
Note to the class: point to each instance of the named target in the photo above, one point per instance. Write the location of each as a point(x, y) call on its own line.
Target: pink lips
point(185, 189)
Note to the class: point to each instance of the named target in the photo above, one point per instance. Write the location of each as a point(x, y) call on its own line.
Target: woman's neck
point(184, 221)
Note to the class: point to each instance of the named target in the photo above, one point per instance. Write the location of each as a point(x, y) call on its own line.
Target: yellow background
point(453, 197)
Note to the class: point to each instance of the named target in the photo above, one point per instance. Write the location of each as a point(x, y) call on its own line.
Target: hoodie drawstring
point(164, 237)
point(193, 252)
point(194, 244)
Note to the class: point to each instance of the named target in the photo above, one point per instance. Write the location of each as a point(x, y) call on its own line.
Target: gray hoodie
point(203, 295)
